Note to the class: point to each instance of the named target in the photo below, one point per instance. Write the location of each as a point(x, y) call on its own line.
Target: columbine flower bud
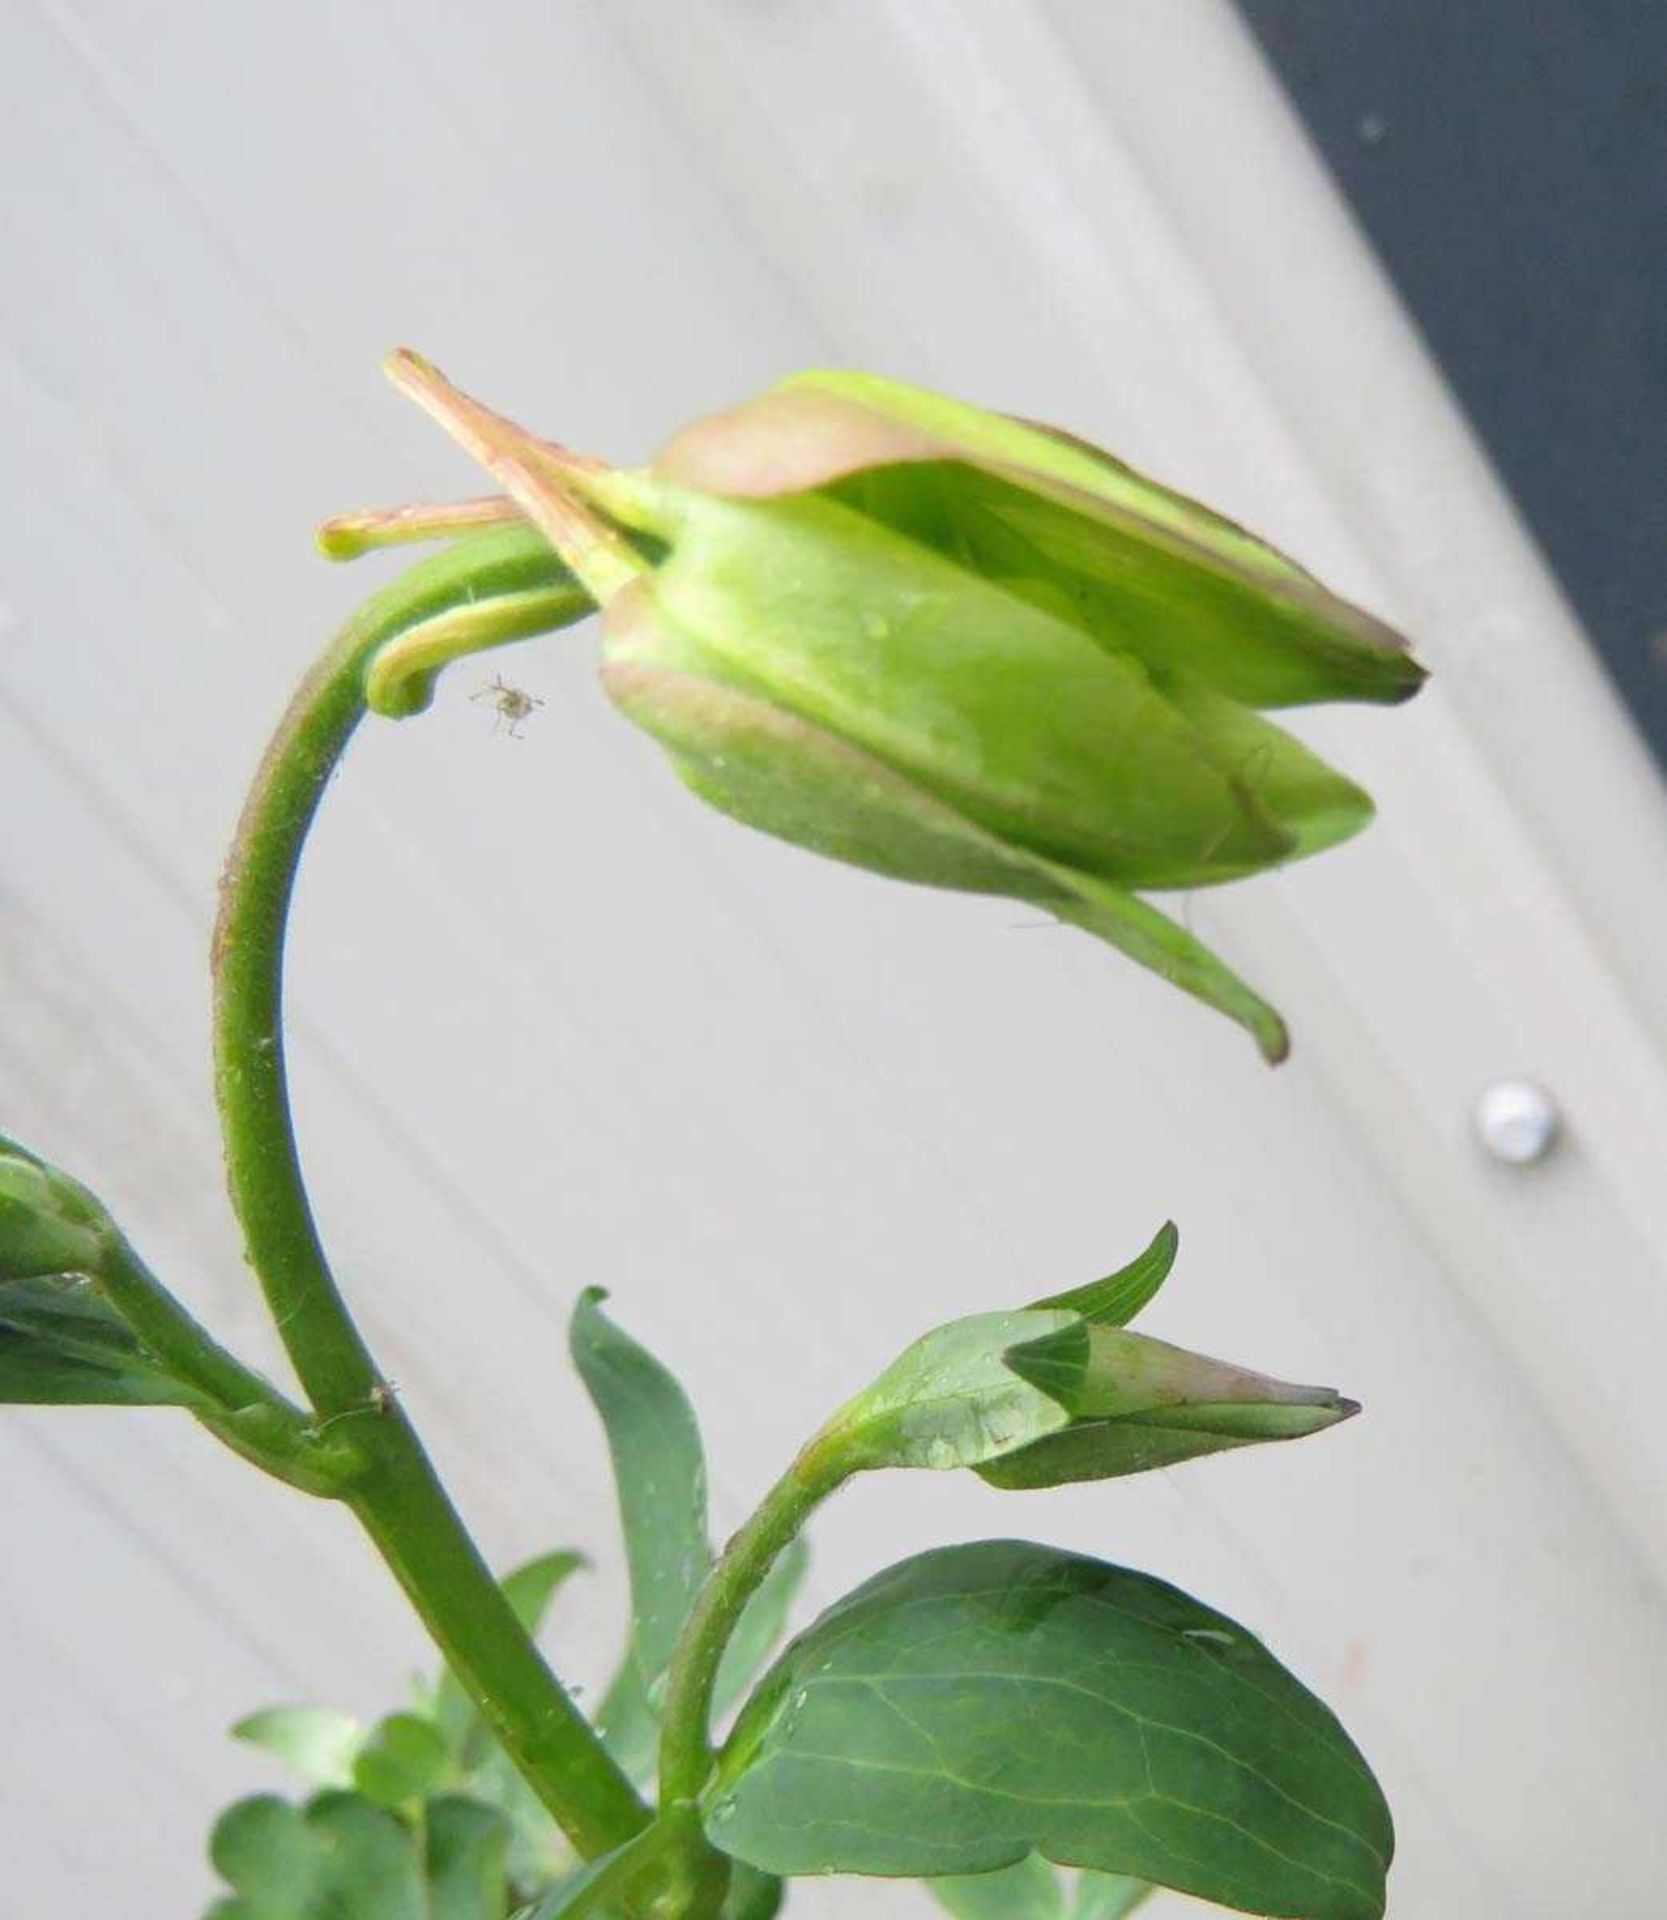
point(1060, 1391)
point(960, 649)
point(1136, 1403)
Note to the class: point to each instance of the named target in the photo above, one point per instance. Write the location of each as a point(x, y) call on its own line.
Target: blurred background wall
point(556, 1026)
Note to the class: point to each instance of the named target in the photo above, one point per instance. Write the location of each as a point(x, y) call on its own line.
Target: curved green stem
point(245, 1411)
point(685, 1739)
point(397, 1496)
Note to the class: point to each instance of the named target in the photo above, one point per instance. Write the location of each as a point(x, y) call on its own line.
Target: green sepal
point(1148, 568)
point(950, 1399)
point(1115, 1300)
point(49, 1223)
point(785, 776)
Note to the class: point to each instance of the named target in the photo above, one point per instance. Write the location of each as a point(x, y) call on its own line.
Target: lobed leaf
point(343, 1857)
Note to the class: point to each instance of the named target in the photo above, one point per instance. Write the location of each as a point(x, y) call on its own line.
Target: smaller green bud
point(1060, 1392)
point(49, 1223)
point(1135, 1403)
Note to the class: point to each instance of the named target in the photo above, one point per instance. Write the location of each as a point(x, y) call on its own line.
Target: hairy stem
point(685, 1740)
point(396, 1495)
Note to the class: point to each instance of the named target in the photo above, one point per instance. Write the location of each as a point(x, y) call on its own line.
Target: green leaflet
point(318, 1742)
point(342, 1857)
point(465, 1851)
point(402, 1761)
point(977, 1703)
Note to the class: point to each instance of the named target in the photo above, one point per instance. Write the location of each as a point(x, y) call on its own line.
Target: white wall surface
point(556, 1025)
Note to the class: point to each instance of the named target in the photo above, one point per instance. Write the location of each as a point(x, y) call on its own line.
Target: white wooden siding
point(555, 1025)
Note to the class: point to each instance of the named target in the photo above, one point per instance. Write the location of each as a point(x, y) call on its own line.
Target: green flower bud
point(49, 1223)
point(1135, 1403)
point(962, 650)
point(1061, 1391)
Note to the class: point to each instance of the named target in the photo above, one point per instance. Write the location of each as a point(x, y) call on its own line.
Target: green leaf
point(467, 1848)
point(1028, 1890)
point(1108, 1896)
point(529, 1591)
point(660, 1480)
point(980, 1702)
point(1115, 1300)
point(403, 1759)
point(264, 1849)
point(63, 1344)
point(318, 1742)
point(659, 1476)
point(951, 1399)
point(375, 1869)
point(342, 1857)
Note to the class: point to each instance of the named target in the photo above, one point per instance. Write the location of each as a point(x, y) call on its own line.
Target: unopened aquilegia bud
point(960, 649)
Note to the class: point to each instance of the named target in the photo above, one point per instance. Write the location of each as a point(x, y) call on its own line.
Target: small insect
point(510, 704)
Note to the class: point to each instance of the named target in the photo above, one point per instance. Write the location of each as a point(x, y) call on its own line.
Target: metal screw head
point(1517, 1121)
